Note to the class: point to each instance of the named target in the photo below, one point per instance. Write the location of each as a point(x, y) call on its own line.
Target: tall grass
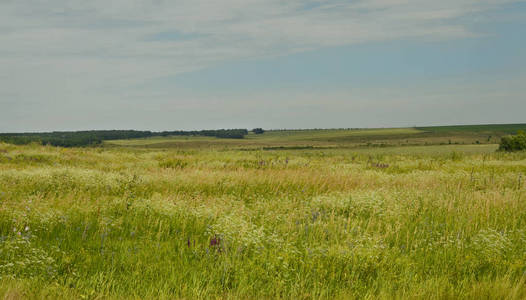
point(126, 223)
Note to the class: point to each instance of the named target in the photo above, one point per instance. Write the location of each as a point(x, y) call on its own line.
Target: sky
point(198, 64)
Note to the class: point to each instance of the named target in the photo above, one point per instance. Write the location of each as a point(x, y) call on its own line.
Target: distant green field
point(337, 138)
point(495, 128)
point(157, 140)
point(320, 134)
point(269, 138)
point(430, 149)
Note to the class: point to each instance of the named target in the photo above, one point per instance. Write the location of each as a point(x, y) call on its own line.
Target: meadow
point(379, 214)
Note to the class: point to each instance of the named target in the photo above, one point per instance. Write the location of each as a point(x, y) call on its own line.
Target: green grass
point(227, 219)
point(500, 128)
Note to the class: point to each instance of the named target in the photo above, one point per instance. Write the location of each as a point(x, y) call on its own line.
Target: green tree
point(513, 142)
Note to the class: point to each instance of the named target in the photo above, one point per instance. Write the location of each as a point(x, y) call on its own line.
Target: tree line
point(95, 137)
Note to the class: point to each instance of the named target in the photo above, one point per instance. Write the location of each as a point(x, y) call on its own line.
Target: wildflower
point(215, 241)
point(26, 228)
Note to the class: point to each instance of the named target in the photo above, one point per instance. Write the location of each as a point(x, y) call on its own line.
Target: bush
point(513, 142)
point(258, 130)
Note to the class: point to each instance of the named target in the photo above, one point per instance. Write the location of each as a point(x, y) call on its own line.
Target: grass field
point(266, 217)
point(337, 138)
point(320, 137)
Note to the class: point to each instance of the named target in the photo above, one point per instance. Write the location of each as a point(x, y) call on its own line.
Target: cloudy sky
point(196, 64)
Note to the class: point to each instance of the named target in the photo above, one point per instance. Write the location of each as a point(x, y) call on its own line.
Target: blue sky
point(70, 65)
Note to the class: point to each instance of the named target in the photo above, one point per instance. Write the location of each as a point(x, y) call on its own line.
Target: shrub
point(513, 142)
point(258, 130)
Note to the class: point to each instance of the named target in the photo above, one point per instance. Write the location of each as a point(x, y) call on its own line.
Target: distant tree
point(513, 142)
point(95, 137)
point(258, 130)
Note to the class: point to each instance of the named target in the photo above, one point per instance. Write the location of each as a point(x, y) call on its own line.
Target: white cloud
point(110, 31)
point(58, 51)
